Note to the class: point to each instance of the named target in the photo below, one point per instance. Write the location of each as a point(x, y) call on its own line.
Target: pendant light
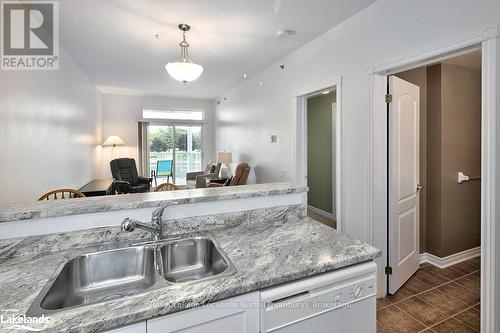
point(184, 69)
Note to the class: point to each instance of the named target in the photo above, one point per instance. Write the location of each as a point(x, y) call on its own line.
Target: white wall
point(120, 114)
point(384, 31)
point(49, 124)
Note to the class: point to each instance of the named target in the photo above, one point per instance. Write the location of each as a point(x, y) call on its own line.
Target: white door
point(403, 243)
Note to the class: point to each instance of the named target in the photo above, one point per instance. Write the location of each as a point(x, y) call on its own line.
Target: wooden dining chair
point(62, 193)
point(166, 187)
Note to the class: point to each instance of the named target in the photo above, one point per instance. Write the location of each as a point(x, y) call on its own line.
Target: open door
point(403, 164)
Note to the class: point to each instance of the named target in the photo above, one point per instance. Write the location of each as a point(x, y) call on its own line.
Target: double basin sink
point(107, 275)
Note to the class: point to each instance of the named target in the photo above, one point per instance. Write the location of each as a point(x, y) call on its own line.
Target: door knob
point(419, 187)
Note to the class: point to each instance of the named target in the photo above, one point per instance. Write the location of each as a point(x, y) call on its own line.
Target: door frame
point(377, 76)
point(301, 140)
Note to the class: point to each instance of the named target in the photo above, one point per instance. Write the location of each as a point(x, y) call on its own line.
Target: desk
point(96, 187)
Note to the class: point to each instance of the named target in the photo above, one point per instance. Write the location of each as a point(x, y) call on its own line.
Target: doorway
point(325, 148)
point(486, 40)
point(434, 226)
point(320, 125)
point(434, 127)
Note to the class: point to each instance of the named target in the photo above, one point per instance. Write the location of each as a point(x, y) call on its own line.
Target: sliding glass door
point(187, 152)
point(174, 150)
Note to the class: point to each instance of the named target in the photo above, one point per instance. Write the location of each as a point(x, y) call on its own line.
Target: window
point(172, 114)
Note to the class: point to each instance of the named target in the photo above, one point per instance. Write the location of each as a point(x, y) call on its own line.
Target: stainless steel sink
point(193, 259)
point(107, 275)
point(98, 277)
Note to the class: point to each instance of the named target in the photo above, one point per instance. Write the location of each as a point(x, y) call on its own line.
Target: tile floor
point(434, 300)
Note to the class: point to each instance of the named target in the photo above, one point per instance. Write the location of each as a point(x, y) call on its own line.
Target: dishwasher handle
point(289, 299)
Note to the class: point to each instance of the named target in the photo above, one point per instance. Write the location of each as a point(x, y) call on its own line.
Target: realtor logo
point(30, 35)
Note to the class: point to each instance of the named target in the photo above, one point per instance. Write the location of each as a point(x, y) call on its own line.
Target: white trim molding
point(422, 57)
point(489, 169)
point(486, 39)
point(450, 260)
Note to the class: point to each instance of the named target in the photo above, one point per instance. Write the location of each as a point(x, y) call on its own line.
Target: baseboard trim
point(451, 259)
point(321, 212)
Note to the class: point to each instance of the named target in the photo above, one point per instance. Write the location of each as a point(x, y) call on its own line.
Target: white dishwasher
point(343, 301)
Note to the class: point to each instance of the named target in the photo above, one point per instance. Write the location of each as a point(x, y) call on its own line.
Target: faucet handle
point(128, 225)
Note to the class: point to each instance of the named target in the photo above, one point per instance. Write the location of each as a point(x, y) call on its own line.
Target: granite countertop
point(56, 208)
point(265, 254)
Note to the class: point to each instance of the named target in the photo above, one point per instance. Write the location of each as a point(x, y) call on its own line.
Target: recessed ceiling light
point(326, 92)
point(285, 33)
point(261, 83)
point(245, 76)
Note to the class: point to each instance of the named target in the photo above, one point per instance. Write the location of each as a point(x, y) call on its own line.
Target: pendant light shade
point(184, 69)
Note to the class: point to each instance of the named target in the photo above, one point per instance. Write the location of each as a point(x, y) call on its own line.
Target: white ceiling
point(114, 42)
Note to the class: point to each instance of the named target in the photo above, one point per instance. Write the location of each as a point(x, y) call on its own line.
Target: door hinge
point(388, 98)
point(388, 270)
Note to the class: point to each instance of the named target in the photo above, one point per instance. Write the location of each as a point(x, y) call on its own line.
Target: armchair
point(240, 176)
point(126, 178)
point(199, 179)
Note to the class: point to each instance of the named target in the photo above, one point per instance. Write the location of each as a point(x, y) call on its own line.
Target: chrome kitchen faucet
point(155, 227)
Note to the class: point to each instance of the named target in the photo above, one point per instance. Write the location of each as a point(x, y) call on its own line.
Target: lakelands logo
point(9, 321)
point(30, 35)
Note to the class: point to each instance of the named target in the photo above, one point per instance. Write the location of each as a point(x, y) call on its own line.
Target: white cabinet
point(239, 314)
point(134, 328)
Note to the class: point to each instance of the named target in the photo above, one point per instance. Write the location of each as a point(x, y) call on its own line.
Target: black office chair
point(126, 178)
